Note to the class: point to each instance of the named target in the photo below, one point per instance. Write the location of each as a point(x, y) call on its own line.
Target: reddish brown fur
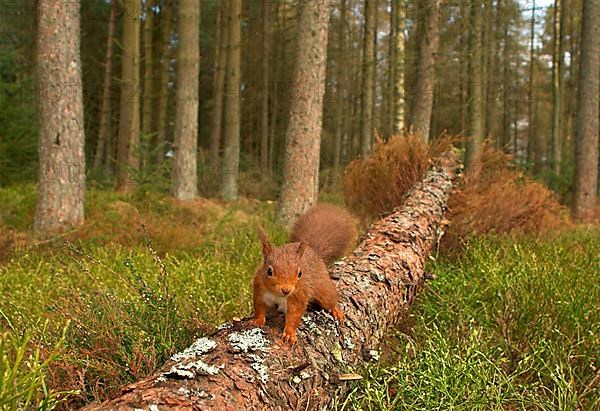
point(314, 285)
point(329, 230)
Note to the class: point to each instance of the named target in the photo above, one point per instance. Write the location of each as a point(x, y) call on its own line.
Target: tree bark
point(61, 180)
point(185, 178)
point(303, 135)
point(368, 79)
point(219, 84)
point(129, 119)
point(475, 74)
point(163, 96)
point(105, 109)
point(399, 57)
point(248, 370)
point(231, 152)
point(557, 71)
point(586, 132)
point(531, 135)
point(148, 71)
point(264, 128)
point(424, 88)
point(341, 93)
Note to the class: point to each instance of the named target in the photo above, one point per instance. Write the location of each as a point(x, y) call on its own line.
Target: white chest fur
point(271, 300)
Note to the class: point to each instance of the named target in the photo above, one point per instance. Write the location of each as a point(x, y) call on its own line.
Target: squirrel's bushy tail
point(327, 229)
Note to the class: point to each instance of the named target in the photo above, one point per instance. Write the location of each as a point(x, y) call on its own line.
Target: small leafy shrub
point(379, 184)
point(495, 197)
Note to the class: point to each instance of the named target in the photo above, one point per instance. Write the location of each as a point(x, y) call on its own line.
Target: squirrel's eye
point(270, 271)
point(299, 273)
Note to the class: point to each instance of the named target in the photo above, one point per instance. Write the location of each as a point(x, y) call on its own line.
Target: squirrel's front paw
point(338, 314)
point(257, 322)
point(289, 336)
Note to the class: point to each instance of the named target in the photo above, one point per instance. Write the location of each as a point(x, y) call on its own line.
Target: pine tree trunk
point(531, 95)
point(231, 152)
point(219, 84)
point(61, 180)
point(557, 63)
point(587, 126)
point(399, 57)
point(105, 109)
point(423, 93)
point(148, 114)
point(163, 97)
point(303, 135)
point(264, 129)
point(475, 100)
point(340, 89)
point(377, 284)
point(368, 77)
point(129, 119)
point(185, 179)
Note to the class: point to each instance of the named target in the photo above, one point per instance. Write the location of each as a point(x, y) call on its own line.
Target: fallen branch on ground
point(244, 368)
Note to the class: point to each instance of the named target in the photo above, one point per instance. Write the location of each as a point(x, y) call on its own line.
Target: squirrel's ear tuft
point(301, 249)
point(266, 244)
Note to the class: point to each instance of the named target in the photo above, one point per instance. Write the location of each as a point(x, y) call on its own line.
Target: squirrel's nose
point(286, 290)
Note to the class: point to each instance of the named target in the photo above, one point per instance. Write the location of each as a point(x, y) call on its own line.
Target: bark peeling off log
point(240, 367)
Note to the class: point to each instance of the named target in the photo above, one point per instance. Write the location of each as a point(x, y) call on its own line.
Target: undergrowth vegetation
point(508, 325)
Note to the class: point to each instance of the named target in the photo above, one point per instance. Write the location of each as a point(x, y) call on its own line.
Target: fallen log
point(246, 368)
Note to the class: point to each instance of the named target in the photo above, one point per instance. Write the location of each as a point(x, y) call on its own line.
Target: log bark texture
point(245, 368)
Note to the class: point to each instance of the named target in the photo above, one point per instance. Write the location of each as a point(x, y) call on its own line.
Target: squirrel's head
point(281, 265)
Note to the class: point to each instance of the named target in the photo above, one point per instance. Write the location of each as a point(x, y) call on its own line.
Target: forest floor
point(509, 323)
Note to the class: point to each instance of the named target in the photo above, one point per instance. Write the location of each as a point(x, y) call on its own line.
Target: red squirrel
point(295, 274)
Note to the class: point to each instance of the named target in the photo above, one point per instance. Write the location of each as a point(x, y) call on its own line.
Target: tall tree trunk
point(475, 100)
point(340, 88)
point(61, 180)
point(105, 109)
point(557, 63)
point(377, 285)
point(231, 154)
point(129, 119)
point(424, 87)
point(399, 57)
point(163, 97)
point(586, 132)
point(185, 178)
point(531, 95)
point(368, 77)
point(148, 114)
point(219, 84)
point(506, 81)
point(303, 135)
point(264, 129)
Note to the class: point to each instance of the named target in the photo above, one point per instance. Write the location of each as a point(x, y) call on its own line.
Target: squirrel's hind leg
point(327, 298)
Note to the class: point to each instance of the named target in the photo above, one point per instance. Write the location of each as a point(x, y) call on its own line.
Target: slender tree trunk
point(557, 63)
point(105, 110)
point(129, 119)
point(377, 285)
point(368, 77)
point(506, 81)
point(219, 84)
point(231, 155)
point(475, 100)
point(399, 57)
point(148, 112)
point(340, 89)
point(531, 96)
point(163, 97)
point(61, 180)
point(303, 135)
point(424, 87)
point(264, 130)
point(587, 125)
point(185, 178)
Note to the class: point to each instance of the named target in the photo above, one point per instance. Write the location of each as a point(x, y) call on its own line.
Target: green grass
point(512, 324)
